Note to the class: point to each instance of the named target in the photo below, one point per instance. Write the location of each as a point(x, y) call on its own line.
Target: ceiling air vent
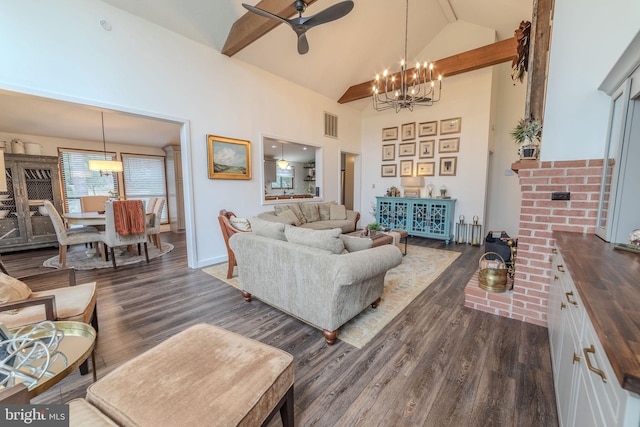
point(330, 125)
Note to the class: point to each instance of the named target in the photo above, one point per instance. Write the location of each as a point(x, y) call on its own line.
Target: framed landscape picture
point(426, 149)
point(390, 134)
point(228, 158)
point(448, 166)
point(426, 168)
point(388, 152)
point(449, 145)
point(450, 125)
point(407, 149)
point(408, 131)
point(406, 167)
point(389, 170)
point(428, 128)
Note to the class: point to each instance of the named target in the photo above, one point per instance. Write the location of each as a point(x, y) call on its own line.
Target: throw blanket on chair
point(128, 216)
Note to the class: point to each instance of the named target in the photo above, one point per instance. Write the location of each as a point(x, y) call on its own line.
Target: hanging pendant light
point(105, 167)
point(282, 163)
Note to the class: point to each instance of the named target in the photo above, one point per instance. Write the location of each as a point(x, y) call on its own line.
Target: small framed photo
point(388, 170)
point(450, 125)
point(449, 145)
point(407, 149)
point(448, 166)
point(425, 168)
point(388, 152)
point(408, 131)
point(406, 167)
point(228, 158)
point(412, 192)
point(390, 134)
point(426, 149)
point(428, 129)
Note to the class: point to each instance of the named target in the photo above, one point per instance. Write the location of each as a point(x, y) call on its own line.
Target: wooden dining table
point(85, 218)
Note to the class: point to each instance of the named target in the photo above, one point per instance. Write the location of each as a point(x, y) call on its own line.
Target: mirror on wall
point(289, 169)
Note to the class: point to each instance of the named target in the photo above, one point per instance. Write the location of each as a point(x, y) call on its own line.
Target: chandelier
point(409, 87)
point(106, 167)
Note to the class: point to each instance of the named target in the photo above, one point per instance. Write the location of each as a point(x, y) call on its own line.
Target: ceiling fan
point(301, 24)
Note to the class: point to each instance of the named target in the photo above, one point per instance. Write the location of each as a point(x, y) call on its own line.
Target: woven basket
point(493, 273)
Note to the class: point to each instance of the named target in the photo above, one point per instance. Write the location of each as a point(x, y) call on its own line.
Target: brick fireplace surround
point(539, 217)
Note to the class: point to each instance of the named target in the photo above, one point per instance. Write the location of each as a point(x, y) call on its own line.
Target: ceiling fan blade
point(331, 13)
point(303, 44)
point(264, 13)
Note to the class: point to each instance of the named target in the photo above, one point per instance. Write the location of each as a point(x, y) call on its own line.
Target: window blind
point(144, 177)
point(78, 180)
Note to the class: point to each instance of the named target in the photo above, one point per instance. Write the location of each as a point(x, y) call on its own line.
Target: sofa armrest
point(353, 216)
point(48, 301)
point(358, 266)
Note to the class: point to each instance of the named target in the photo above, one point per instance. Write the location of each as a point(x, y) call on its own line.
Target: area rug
point(402, 284)
point(82, 259)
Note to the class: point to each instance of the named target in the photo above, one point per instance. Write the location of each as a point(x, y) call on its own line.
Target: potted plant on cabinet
point(527, 133)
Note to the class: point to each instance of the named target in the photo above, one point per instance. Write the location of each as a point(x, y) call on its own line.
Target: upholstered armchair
point(153, 226)
point(125, 225)
point(228, 230)
point(59, 298)
point(68, 237)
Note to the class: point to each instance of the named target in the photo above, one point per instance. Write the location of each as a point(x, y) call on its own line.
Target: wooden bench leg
point(285, 407)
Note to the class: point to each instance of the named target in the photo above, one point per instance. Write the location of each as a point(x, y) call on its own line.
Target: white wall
point(467, 96)
point(60, 51)
point(588, 38)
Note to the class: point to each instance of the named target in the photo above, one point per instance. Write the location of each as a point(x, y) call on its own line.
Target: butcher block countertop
point(608, 282)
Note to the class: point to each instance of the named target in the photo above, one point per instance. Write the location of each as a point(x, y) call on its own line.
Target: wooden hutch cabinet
point(30, 180)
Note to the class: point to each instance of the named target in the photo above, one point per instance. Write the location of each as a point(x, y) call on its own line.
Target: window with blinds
point(144, 177)
point(78, 180)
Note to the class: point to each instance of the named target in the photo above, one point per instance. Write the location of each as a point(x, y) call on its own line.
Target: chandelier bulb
point(384, 74)
point(440, 77)
point(402, 63)
point(417, 65)
point(431, 66)
point(377, 77)
point(425, 64)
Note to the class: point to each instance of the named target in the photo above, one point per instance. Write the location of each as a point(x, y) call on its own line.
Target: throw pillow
point(323, 210)
point(12, 289)
point(355, 244)
point(310, 211)
point(337, 212)
point(295, 208)
point(328, 240)
point(289, 217)
point(240, 223)
point(272, 230)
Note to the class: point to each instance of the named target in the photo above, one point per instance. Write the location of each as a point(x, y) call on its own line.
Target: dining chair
point(151, 204)
point(68, 237)
point(124, 225)
point(153, 226)
point(93, 203)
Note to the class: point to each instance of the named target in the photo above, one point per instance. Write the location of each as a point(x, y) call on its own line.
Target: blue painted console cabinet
point(430, 218)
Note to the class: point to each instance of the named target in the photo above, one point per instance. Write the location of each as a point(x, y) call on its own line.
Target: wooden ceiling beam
point(471, 60)
point(250, 27)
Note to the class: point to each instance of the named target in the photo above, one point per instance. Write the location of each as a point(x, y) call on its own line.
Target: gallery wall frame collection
point(426, 149)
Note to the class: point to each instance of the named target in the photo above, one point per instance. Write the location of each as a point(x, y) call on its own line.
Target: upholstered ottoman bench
point(203, 376)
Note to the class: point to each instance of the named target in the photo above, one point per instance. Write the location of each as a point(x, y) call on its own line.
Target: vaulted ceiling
point(342, 53)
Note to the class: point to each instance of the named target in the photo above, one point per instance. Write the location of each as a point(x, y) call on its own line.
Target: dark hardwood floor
point(437, 364)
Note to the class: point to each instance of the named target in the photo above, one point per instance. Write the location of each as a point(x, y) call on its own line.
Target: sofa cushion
point(240, 223)
point(310, 211)
point(323, 210)
point(337, 212)
point(295, 207)
point(355, 244)
point(322, 239)
point(273, 230)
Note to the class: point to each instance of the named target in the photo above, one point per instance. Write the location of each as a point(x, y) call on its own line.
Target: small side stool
point(202, 376)
point(404, 234)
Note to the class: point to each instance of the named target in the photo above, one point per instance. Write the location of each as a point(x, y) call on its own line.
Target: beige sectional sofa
point(314, 215)
point(309, 274)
